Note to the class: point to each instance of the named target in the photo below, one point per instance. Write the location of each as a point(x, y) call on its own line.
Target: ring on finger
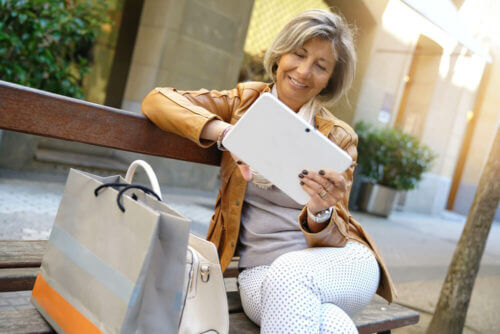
point(323, 193)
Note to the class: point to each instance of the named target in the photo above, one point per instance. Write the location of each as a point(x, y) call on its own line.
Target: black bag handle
point(134, 186)
point(105, 185)
point(122, 191)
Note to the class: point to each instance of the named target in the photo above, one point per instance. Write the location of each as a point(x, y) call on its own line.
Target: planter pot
point(354, 194)
point(376, 199)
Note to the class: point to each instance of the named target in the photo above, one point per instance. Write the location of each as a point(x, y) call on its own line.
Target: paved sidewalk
point(29, 205)
point(417, 248)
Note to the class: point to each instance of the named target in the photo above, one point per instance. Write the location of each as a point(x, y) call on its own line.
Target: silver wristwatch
point(322, 216)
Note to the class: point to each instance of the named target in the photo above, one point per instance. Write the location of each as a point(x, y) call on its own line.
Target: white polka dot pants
point(315, 290)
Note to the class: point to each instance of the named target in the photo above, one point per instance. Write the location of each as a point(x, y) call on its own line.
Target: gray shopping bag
point(108, 270)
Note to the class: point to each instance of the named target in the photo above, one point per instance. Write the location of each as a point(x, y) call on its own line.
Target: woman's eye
point(299, 55)
point(322, 67)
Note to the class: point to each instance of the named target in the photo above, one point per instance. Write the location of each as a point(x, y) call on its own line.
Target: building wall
point(441, 100)
point(187, 44)
point(455, 97)
point(387, 64)
point(483, 19)
point(361, 17)
point(419, 87)
point(443, 132)
point(487, 124)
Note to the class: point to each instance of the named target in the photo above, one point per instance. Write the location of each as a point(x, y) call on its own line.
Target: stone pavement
point(417, 248)
point(29, 202)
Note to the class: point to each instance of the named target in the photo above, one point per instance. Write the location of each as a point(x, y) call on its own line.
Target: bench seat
point(378, 317)
point(30, 320)
point(20, 262)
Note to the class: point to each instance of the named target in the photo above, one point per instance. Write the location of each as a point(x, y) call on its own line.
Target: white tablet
point(278, 144)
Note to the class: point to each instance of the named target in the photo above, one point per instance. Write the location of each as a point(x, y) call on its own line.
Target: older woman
point(303, 269)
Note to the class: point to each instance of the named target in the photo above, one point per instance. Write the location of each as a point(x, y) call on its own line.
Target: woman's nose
point(304, 69)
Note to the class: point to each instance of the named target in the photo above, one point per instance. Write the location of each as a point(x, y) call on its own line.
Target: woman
point(303, 269)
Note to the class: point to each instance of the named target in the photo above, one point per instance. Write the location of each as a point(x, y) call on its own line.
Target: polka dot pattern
point(315, 290)
point(250, 283)
point(334, 320)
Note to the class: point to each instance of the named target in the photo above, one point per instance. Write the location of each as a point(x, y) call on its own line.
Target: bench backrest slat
point(40, 113)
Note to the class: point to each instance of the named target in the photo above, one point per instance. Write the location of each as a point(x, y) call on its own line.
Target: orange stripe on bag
point(63, 313)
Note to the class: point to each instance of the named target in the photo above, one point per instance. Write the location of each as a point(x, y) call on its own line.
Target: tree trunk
point(451, 309)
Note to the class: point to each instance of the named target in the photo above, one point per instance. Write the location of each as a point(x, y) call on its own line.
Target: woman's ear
point(327, 88)
point(275, 67)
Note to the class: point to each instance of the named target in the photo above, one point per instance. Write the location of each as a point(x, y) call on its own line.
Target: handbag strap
point(149, 172)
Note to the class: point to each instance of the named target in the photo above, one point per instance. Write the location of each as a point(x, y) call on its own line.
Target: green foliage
point(391, 157)
point(46, 44)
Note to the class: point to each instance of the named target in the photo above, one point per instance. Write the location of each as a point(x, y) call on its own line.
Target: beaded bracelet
point(221, 137)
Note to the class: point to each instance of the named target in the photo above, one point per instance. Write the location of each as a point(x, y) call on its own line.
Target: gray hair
point(326, 25)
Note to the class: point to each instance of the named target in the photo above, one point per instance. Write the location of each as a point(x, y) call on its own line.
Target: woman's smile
point(296, 83)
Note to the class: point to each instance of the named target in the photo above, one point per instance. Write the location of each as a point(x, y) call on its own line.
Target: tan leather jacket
point(185, 113)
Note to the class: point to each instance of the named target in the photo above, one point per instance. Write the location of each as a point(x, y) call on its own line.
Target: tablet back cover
point(278, 144)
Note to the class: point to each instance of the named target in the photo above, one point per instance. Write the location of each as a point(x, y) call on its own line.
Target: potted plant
point(390, 160)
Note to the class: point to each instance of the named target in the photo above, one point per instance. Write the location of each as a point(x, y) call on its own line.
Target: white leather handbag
point(204, 304)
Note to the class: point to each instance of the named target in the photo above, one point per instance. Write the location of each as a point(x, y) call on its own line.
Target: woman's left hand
point(325, 187)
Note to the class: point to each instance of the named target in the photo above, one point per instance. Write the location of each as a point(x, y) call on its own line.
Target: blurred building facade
point(427, 66)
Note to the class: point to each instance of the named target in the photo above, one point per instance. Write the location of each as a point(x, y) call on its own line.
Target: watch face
point(320, 217)
point(322, 213)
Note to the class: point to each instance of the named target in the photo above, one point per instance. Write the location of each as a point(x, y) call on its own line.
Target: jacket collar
point(323, 124)
point(323, 120)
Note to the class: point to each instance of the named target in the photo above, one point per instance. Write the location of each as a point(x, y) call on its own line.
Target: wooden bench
point(40, 113)
point(20, 262)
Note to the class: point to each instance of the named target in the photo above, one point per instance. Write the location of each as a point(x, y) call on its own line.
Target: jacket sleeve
point(186, 113)
point(336, 232)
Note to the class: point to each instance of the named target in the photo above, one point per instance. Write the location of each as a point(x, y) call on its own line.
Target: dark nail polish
point(301, 183)
point(305, 172)
point(239, 162)
point(321, 172)
point(301, 176)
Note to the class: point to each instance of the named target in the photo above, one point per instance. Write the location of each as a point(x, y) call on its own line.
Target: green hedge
point(391, 157)
point(47, 44)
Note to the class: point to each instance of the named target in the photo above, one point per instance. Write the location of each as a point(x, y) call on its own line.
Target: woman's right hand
point(212, 131)
point(244, 169)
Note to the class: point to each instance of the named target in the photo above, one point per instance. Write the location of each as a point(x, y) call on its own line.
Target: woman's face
point(302, 74)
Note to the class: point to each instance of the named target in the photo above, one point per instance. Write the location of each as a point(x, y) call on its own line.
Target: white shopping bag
point(115, 260)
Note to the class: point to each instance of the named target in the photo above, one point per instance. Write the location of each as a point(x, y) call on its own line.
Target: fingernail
point(301, 176)
point(321, 172)
point(305, 172)
point(301, 183)
point(239, 162)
